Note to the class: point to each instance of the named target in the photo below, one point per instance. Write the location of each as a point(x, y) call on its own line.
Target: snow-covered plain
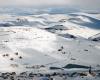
point(34, 43)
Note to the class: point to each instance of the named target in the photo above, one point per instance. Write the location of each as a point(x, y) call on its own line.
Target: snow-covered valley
point(35, 43)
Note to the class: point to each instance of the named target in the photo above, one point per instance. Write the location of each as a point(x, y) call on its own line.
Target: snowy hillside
point(50, 42)
point(33, 43)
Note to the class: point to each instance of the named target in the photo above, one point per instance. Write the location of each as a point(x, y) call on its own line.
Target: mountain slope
point(38, 47)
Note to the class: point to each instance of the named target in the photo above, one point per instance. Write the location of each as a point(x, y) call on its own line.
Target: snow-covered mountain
point(85, 20)
point(38, 42)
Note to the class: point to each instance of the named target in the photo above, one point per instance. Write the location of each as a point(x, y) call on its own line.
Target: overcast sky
point(84, 4)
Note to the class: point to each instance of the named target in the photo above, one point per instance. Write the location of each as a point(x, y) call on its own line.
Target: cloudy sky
point(84, 4)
